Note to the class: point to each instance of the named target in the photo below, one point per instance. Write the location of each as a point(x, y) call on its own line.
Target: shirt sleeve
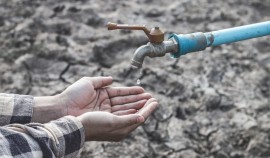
point(15, 108)
point(59, 138)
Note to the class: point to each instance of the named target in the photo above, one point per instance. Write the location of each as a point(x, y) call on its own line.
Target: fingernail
point(140, 119)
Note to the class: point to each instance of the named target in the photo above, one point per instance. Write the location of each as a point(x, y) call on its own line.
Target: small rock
point(83, 34)
point(206, 131)
point(237, 154)
point(258, 147)
point(160, 149)
point(264, 121)
point(226, 104)
point(188, 154)
point(95, 20)
point(212, 102)
point(243, 120)
point(190, 109)
point(177, 145)
point(265, 86)
point(221, 154)
point(154, 12)
point(250, 124)
point(2, 21)
point(44, 12)
point(62, 29)
point(59, 8)
point(180, 113)
point(176, 89)
point(73, 9)
point(61, 40)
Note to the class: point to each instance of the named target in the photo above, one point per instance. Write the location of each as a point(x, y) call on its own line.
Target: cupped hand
point(105, 126)
point(92, 94)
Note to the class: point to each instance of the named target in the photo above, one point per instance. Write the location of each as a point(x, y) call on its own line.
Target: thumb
point(99, 82)
point(128, 120)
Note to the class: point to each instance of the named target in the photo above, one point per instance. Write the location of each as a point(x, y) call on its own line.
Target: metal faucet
point(156, 47)
point(182, 44)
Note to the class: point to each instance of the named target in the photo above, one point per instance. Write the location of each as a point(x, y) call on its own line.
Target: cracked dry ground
point(213, 104)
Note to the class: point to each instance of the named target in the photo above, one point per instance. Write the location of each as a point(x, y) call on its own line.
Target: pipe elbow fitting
point(139, 55)
point(152, 50)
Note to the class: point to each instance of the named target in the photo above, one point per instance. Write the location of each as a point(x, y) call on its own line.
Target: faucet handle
point(155, 35)
point(114, 26)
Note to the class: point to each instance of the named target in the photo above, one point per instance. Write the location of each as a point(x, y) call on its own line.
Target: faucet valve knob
point(155, 35)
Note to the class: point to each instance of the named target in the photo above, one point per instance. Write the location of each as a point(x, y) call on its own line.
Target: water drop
point(138, 81)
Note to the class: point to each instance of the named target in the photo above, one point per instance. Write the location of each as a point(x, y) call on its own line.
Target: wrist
point(83, 123)
point(61, 103)
point(47, 108)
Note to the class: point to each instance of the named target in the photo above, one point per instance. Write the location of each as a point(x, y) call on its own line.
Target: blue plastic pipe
point(199, 41)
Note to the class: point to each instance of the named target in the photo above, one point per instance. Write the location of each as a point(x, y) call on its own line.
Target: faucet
point(156, 47)
point(181, 44)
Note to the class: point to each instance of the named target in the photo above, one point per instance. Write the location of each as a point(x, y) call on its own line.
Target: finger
point(99, 82)
point(125, 112)
point(149, 107)
point(123, 91)
point(136, 105)
point(128, 120)
point(129, 99)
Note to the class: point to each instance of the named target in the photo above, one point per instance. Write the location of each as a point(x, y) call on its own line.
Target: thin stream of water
point(137, 73)
point(139, 78)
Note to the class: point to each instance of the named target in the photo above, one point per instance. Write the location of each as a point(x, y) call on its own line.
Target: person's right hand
point(105, 126)
point(93, 94)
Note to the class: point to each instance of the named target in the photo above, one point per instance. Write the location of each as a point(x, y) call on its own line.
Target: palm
point(90, 94)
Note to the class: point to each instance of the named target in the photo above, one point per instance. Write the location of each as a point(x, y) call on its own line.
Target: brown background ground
point(212, 104)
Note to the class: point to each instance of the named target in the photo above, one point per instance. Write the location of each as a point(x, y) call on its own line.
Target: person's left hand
point(110, 127)
point(91, 94)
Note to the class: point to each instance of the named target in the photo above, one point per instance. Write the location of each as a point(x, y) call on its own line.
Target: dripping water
point(138, 81)
point(139, 77)
point(137, 74)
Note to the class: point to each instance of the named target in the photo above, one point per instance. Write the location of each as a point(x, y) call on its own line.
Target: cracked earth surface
point(213, 104)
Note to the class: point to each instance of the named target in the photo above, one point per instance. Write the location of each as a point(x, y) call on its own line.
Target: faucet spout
point(139, 55)
point(153, 50)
